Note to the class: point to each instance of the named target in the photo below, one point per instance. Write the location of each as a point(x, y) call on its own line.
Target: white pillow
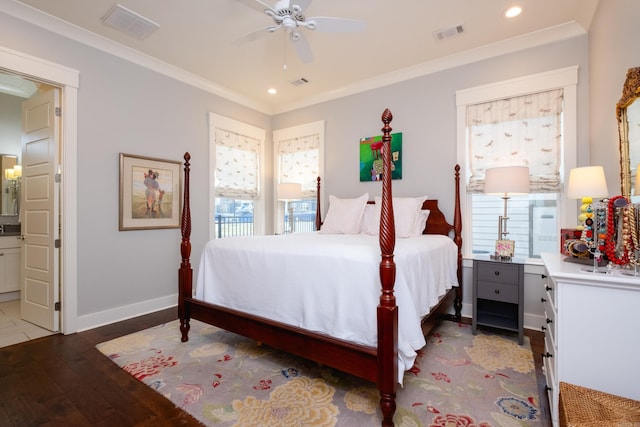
point(344, 215)
point(369, 212)
point(405, 211)
point(421, 222)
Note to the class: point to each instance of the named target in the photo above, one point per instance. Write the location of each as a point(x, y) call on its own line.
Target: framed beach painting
point(149, 193)
point(371, 157)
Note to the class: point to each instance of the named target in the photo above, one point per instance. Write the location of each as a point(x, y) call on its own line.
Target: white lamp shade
point(17, 171)
point(289, 191)
point(507, 180)
point(588, 181)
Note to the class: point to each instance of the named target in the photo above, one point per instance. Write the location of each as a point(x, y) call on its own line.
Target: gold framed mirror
point(628, 114)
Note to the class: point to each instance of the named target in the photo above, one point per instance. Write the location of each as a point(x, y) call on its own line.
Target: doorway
point(30, 135)
point(66, 79)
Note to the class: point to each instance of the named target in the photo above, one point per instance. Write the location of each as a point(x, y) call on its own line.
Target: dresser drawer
point(550, 323)
point(498, 272)
point(550, 372)
point(550, 289)
point(498, 291)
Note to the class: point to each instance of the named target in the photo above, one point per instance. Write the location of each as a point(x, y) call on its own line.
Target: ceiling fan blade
point(258, 5)
point(335, 25)
point(302, 4)
point(301, 46)
point(253, 35)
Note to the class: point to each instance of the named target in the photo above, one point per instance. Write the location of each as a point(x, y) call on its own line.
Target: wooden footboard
point(380, 364)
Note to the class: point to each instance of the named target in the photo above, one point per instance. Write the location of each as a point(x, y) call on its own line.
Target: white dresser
point(592, 330)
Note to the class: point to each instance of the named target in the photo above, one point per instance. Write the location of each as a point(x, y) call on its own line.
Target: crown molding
point(537, 38)
point(56, 25)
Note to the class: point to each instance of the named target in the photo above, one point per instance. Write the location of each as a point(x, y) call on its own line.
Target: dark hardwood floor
point(64, 381)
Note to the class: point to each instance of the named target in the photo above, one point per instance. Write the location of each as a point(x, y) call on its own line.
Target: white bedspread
point(329, 283)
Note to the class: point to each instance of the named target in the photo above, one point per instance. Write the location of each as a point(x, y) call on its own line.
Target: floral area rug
point(223, 379)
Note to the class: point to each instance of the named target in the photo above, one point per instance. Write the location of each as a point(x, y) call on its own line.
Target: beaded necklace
point(630, 232)
point(610, 242)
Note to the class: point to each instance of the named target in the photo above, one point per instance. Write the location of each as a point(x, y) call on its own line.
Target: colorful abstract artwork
point(371, 157)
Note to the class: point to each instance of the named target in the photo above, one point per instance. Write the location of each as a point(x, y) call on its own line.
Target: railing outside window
point(234, 225)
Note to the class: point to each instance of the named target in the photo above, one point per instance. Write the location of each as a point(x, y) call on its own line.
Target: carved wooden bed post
point(387, 309)
point(318, 210)
point(185, 273)
point(457, 226)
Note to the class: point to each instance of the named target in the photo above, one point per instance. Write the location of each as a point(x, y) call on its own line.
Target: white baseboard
point(534, 322)
point(106, 317)
point(9, 296)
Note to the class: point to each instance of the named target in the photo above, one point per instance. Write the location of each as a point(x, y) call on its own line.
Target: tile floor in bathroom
point(14, 330)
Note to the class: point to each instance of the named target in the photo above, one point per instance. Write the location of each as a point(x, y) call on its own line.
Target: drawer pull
point(544, 328)
point(547, 388)
point(544, 276)
point(548, 288)
point(547, 354)
point(542, 300)
point(497, 291)
point(549, 321)
point(497, 273)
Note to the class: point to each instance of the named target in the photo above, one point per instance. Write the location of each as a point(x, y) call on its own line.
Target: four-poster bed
point(377, 362)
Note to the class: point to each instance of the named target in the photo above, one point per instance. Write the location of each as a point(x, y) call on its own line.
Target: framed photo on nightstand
point(505, 248)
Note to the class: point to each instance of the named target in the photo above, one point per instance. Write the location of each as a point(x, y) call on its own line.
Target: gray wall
point(123, 107)
point(424, 110)
point(10, 129)
point(612, 51)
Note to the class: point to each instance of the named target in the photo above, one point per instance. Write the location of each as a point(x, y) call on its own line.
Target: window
point(236, 156)
point(529, 122)
point(298, 158)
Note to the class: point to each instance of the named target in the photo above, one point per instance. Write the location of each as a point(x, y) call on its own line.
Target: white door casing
point(39, 212)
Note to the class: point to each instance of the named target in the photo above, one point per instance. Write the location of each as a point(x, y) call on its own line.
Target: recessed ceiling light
point(272, 91)
point(512, 12)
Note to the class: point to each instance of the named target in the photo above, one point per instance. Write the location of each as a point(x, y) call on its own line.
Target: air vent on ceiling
point(445, 33)
point(123, 19)
point(299, 82)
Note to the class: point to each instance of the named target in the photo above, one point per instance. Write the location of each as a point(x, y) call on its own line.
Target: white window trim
point(565, 78)
point(217, 121)
point(313, 128)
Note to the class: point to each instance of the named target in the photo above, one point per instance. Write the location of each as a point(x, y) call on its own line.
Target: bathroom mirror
point(11, 177)
point(628, 114)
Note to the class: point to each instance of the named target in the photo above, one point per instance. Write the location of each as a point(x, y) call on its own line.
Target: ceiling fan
point(289, 16)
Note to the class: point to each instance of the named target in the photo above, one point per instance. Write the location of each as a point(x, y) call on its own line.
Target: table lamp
point(588, 183)
point(288, 191)
point(506, 181)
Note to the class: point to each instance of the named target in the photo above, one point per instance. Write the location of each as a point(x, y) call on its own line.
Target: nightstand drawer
point(498, 291)
point(498, 272)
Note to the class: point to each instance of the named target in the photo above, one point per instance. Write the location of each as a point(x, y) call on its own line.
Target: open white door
point(40, 290)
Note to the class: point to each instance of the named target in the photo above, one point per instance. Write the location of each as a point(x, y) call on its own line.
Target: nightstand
point(498, 295)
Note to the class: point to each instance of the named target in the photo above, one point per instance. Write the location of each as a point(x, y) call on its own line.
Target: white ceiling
point(198, 36)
